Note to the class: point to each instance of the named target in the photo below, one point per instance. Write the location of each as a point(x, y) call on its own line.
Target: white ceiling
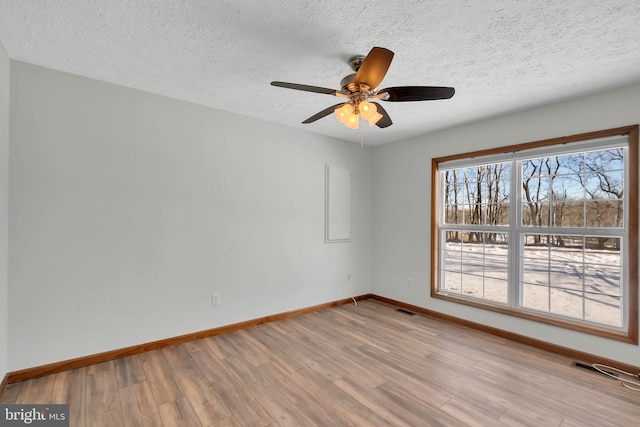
point(500, 55)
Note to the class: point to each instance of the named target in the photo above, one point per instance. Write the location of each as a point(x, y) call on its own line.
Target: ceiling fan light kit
point(348, 114)
point(361, 87)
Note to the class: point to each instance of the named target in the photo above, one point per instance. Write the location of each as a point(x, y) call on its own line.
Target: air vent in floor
point(402, 310)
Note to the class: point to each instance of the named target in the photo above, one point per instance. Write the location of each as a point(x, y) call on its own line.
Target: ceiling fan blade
point(417, 93)
point(305, 88)
point(323, 113)
point(385, 121)
point(374, 67)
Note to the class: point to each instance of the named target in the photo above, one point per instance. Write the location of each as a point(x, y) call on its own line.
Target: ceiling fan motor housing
point(348, 84)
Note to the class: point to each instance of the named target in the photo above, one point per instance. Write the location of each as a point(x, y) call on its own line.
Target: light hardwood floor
point(368, 365)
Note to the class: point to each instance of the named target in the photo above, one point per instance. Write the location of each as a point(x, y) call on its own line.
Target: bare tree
point(533, 189)
point(451, 203)
point(604, 183)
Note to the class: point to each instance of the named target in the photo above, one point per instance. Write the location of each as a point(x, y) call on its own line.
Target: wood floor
point(368, 365)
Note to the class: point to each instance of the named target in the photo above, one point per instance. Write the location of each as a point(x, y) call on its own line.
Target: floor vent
point(591, 368)
point(402, 310)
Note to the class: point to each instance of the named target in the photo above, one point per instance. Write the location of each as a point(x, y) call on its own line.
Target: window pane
point(454, 194)
point(453, 240)
point(566, 303)
point(534, 243)
point(567, 187)
point(470, 174)
point(605, 160)
point(467, 214)
point(535, 297)
point(604, 184)
point(603, 280)
point(498, 240)
point(476, 215)
point(603, 250)
point(472, 285)
point(452, 260)
point(472, 241)
point(452, 282)
point(604, 213)
point(603, 309)
point(567, 214)
point(529, 169)
point(496, 266)
point(535, 271)
point(602, 243)
point(535, 214)
point(611, 183)
point(567, 208)
point(566, 275)
point(497, 214)
point(473, 263)
point(539, 167)
point(535, 189)
point(453, 214)
point(570, 164)
point(566, 248)
point(496, 290)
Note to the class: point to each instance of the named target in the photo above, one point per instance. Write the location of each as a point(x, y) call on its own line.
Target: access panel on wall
point(337, 204)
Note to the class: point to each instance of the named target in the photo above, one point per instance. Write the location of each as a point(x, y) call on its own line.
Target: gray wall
point(128, 210)
point(402, 216)
point(4, 206)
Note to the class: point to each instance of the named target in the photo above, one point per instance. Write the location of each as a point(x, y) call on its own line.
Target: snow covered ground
point(568, 282)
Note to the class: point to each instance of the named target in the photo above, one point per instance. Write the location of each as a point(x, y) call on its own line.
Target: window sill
point(630, 337)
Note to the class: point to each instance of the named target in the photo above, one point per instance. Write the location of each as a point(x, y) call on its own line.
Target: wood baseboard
point(3, 384)
point(523, 339)
point(66, 365)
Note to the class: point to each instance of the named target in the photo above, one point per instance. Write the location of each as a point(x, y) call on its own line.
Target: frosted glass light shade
point(367, 110)
point(343, 113)
point(353, 121)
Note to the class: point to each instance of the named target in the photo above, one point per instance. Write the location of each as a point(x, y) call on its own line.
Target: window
point(546, 231)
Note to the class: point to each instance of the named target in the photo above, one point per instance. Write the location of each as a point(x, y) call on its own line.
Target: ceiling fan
point(361, 91)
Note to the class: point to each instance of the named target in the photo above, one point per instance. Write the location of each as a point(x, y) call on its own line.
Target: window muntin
point(562, 216)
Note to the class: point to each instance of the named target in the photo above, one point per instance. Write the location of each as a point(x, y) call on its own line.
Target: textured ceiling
point(500, 55)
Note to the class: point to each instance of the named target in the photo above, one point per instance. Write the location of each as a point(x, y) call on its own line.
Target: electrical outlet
point(215, 299)
point(410, 282)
